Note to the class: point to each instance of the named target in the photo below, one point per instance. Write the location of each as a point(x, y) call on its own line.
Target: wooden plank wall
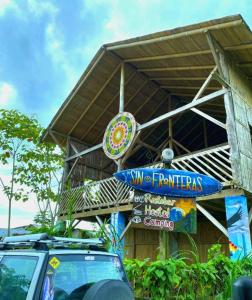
point(242, 106)
point(143, 243)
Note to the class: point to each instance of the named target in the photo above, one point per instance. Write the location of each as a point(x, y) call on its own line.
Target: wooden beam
point(121, 109)
point(95, 97)
point(175, 36)
point(181, 146)
point(214, 49)
point(84, 152)
point(205, 133)
point(209, 118)
point(97, 212)
point(184, 108)
point(146, 101)
point(122, 83)
point(170, 128)
point(106, 107)
point(183, 87)
point(148, 146)
point(125, 230)
point(168, 56)
point(186, 54)
point(178, 68)
point(212, 219)
point(205, 84)
point(131, 151)
point(178, 78)
point(221, 195)
point(72, 168)
point(56, 141)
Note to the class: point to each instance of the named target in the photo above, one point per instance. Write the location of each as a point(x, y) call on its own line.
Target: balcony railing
point(110, 192)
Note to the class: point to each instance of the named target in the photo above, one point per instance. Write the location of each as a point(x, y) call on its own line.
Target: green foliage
point(187, 278)
point(17, 134)
point(34, 167)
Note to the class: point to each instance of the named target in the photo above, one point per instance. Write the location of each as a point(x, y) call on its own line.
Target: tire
point(109, 290)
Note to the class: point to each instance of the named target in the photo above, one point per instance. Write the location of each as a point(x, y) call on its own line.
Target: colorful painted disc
point(119, 135)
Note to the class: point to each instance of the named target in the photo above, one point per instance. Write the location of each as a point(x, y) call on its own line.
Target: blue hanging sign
point(169, 182)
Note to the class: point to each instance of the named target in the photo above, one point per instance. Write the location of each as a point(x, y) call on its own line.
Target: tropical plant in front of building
point(185, 277)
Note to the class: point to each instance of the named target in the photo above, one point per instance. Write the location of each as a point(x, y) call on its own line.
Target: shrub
point(185, 278)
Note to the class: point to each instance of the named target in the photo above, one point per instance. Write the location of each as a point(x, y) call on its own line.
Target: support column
point(238, 226)
point(117, 226)
point(164, 244)
point(117, 222)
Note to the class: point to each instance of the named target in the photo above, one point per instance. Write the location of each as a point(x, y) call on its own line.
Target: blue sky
point(45, 45)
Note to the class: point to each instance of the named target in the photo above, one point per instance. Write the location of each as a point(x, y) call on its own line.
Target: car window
point(70, 276)
point(16, 273)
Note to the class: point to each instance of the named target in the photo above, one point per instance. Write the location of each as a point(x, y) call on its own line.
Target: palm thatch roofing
point(174, 62)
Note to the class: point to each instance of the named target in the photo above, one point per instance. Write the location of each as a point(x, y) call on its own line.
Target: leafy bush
point(185, 277)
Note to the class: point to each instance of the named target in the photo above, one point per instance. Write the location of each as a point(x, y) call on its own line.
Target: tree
point(35, 166)
point(18, 133)
point(41, 171)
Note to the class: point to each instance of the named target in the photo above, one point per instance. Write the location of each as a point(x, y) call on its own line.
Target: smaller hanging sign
point(163, 213)
point(169, 182)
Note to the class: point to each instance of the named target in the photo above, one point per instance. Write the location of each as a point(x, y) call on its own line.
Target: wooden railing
point(110, 192)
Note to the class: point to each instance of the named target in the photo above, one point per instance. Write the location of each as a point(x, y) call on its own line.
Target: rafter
point(95, 97)
point(175, 36)
point(179, 68)
point(184, 108)
point(106, 107)
point(184, 87)
point(186, 54)
point(178, 78)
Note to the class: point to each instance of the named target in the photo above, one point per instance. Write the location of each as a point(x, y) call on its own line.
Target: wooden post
point(205, 133)
point(66, 166)
point(121, 106)
point(170, 125)
point(163, 244)
point(121, 103)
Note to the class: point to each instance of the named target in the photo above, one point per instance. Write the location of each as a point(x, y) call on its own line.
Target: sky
point(45, 46)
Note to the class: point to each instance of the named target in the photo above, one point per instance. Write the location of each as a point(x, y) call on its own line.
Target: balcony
point(108, 193)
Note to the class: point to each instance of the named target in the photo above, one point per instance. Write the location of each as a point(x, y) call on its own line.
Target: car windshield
point(16, 273)
point(70, 276)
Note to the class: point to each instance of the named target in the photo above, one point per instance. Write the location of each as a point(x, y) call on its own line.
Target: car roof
point(56, 252)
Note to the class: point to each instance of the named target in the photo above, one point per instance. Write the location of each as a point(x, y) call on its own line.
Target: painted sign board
point(164, 213)
point(119, 135)
point(238, 226)
point(169, 182)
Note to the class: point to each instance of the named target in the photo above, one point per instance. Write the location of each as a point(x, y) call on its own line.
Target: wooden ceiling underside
point(176, 64)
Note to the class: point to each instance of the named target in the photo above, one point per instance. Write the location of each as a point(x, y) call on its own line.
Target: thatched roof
point(172, 62)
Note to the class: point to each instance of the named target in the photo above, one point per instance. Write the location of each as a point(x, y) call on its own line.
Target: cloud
point(55, 48)
point(4, 5)
point(8, 94)
point(8, 5)
point(38, 8)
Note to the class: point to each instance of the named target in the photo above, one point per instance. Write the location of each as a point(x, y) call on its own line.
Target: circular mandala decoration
point(119, 135)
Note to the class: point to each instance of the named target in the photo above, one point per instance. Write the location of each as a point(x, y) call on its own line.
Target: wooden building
point(189, 89)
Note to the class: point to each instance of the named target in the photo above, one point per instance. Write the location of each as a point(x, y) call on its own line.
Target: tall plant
point(41, 172)
point(33, 166)
point(18, 133)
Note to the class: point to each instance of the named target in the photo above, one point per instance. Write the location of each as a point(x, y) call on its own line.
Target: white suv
point(39, 267)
